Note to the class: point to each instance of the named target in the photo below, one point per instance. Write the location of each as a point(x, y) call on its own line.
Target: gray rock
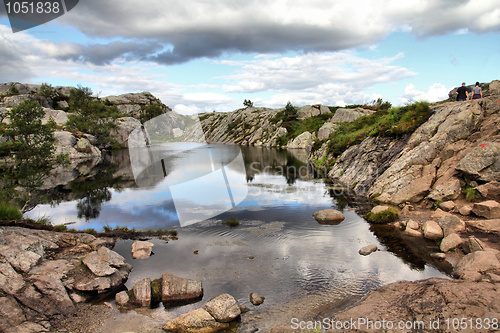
point(329, 216)
point(198, 320)
point(141, 249)
point(368, 250)
point(224, 308)
point(327, 129)
point(303, 141)
point(449, 190)
point(472, 266)
point(473, 244)
point(344, 115)
point(125, 126)
point(10, 312)
point(60, 117)
point(489, 209)
point(50, 286)
point(308, 111)
point(10, 281)
point(256, 299)
point(142, 292)
point(103, 262)
point(450, 242)
point(412, 225)
point(432, 230)
point(174, 288)
point(482, 161)
point(451, 224)
point(103, 283)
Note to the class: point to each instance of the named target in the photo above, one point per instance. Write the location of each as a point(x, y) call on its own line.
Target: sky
point(203, 56)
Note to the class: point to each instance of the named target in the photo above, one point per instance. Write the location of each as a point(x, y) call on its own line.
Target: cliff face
point(458, 146)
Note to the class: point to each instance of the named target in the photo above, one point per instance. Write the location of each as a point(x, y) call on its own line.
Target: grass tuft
point(386, 216)
point(9, 212)
point(232, 222)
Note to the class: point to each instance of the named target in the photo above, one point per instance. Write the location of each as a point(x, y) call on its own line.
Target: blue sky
point(199, 56)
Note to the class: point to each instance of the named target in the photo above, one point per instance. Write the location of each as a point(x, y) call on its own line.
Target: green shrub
point(471, 193)
point(383, 217)
point(60, 228)
point(232, 222)
point(44, 220)
point(9, 212)
point(151, 111)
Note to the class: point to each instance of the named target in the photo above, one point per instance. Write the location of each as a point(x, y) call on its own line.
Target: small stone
point(474, 244)
point(413, 232)
point(438, 255)
point(368, 250)
point(122, 298)
point(256, 299)
point(412, 225)
point(465, 210)
point(447, 206)
point(224, 308)
point(432, 230)
point(450, 242)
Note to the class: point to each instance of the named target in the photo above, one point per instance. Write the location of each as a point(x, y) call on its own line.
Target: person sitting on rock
point(477, 92)
point(462, 93)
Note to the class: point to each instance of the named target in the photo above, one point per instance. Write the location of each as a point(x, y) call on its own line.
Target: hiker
point(477, 92)
point(462, 93)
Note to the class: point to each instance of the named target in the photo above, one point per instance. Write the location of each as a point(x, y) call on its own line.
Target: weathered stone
point(490, 190)
point(447, 206)
point(439, 213)
point(10, 281)
point(224, 308)
point(489, 209)
point(103, 262)
point(256, 299)
point(10, 312)
point(308, 111)
point(125, 126)
point(451, 224)
point(142, 292)
point(122, 298)
point(432, 230)
point(303, 141)
point(472, 266)
point(174, 288)
point(325, 130)
point(368, 250)
point(449, 190)
point(473, 244)
point(465, 210)
point(487, 226)
point(196, 321)
point(482, 161)
point(344, 115)
point(141, 249)
point(329, 216)
point(450, 242)
point(378, 209)
point(412, 225)
point(53, 288)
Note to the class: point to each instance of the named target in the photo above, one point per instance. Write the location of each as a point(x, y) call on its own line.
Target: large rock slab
point(303, 141)
point(103, 262)
point(487, 226)
point(224, 308)
point(329, 216)
point(489, 209)
point(482, 162)
point(472, 266)
point(175, 289)
point(308, 111)
point(344, 115)
point(196, 321)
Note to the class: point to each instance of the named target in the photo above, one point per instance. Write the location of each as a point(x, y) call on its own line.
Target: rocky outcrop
point(309, 111)
point(133, 104)
point(303, 141)
point(425, 302)
point(41, 274)
point(345, 115)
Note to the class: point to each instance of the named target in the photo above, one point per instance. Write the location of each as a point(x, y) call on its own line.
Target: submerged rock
point(174, 288)
point(368, 250)
point(141, 249)
point(256, 299)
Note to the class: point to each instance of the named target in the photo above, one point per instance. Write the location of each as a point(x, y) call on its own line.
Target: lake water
point(278, 250)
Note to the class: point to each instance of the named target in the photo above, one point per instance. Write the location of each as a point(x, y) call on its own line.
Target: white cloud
point(436, 92)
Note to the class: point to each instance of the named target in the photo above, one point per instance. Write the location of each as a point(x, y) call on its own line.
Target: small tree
point(33, 147)
point(248, 103)
point(290, 111)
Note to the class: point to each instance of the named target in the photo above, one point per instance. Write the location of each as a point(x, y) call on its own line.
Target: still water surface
point(277, 250)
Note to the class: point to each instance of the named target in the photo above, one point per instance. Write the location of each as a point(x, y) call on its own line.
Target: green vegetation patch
point(383, 217)
point(9, 212)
